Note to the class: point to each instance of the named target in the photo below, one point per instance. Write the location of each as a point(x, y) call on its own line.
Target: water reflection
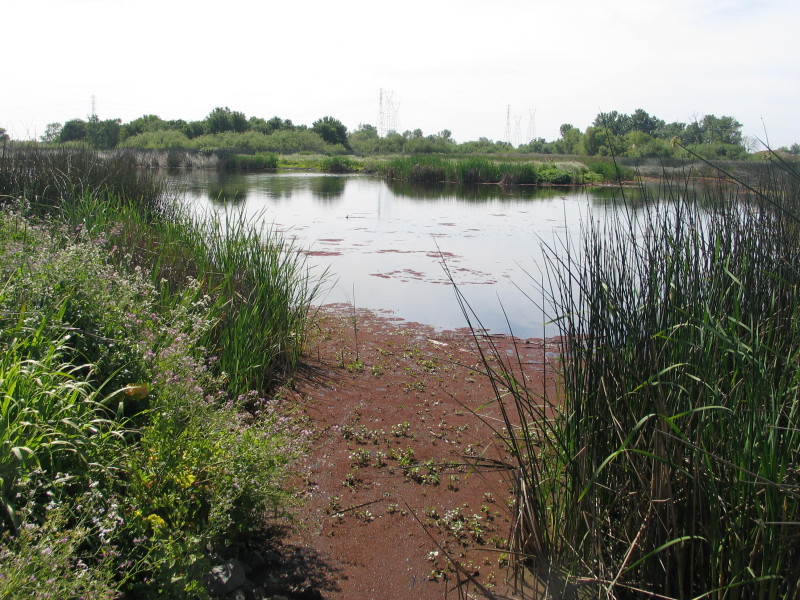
point(233, 188)
point(329, 187)
point(386, 242)
point(227, 190)
point(474, 192)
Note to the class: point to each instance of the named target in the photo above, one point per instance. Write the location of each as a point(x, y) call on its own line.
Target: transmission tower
point(507, 136)
point(388, 111)
point(94, 108)
point(517, 130)
point(531, 125)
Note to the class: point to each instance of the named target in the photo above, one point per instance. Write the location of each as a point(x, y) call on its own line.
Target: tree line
point(611, 133)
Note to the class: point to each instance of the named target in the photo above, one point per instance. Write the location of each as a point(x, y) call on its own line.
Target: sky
point(479, 68)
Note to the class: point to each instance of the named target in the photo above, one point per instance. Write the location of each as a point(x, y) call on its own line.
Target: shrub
point(253, 162)
point(338, 164)
point(103, 367)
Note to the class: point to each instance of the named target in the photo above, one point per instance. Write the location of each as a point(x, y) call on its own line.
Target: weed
point(401, 429)
point(355, 367)
point(360, 458)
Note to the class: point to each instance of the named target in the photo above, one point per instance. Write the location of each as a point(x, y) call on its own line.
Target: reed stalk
point(666, 467)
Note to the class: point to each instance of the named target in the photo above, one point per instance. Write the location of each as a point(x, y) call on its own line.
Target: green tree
point(278, 124)
point(617, 123)
point(4, 137)
point(73, 131)
point(392, 143)
point(51, 133)
point(640, 120)
point(224, 119)
point(602, 141)
point(670, 130)
point(143, 124)
point(194, 129)
point(332, 131)
point(721, 130)
point(569, 141)
point(538, 146)
point(693, 133)
point(259, 124)
point(103, 135)
point(365, 140)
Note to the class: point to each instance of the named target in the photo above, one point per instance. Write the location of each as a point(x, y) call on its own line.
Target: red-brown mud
point(401, 415)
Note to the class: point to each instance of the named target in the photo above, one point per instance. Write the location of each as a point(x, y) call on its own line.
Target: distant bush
point(477, 170)
point(422, 169)
point(253, 162)
point(338, 164)
point(611, 171)
point(158, 140)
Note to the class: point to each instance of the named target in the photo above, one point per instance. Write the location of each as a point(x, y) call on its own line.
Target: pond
point(394, 247)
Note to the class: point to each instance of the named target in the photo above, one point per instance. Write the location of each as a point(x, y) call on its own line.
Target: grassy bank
point(511, 170)
point(138, 446)
point(667, 467)
point(471, 170)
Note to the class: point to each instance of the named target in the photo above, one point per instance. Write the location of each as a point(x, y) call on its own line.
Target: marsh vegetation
point(140, 343)
point(667, 465)
point(139, 441)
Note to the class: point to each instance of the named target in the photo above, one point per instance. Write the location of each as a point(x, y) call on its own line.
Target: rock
point(259, 593)
point(305, 591)
point(255, 560)
point(237, 594)
point(226, 577)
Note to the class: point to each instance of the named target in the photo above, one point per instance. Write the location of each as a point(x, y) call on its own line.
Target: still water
point(389, 246)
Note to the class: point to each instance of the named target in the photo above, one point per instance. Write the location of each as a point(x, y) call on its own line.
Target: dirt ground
point(407, 475)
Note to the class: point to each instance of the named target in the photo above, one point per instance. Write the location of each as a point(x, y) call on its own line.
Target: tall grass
point(667, 466)
point(260, 161)
point(260, 286)
point(129, 460)
point(50, 418)
point(51, 178)
point(258, 280)
point(430, 169)
point(263, 294)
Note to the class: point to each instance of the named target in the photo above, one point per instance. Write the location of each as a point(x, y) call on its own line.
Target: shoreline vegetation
point(615, 147)
point(505, 171)
point(668, 465)
point(141, 445)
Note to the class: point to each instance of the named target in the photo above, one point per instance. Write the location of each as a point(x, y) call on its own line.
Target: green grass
point(667, 464)
point(260, 161)
point(257, 280)
point(472, 170)
point(136, 344)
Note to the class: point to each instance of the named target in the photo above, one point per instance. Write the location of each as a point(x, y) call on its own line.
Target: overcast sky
point(451, 64)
